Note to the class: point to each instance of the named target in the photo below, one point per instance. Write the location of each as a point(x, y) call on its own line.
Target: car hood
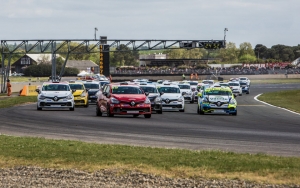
point(56, 93)
point(153, 94)
point(171, 95)
point(130, 97)
point(78, 92)
point(185, 90)
point(216, 98)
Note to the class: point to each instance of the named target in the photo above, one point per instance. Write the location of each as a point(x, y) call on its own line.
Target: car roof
point(56, 83)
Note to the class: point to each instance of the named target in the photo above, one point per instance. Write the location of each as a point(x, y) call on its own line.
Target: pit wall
point(17, 86)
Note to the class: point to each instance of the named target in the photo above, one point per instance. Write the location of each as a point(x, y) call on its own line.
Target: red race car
point(123, 99)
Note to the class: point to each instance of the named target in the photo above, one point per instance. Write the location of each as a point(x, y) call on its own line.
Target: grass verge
point(29, 151)
point(285, 99)
point(6, 102)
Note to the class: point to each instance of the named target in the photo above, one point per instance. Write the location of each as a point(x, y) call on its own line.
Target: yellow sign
point(101, 68)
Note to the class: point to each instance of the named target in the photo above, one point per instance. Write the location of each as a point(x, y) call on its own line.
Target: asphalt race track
point(258, 128)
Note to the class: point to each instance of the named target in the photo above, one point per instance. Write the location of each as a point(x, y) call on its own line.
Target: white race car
point(55, 95)
point(172, 99)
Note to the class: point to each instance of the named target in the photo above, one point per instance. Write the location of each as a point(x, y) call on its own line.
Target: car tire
point(201, 111)
point(159, 111)
point(147, 115)
point(108, 112)
point(248, 92)
point(192, 101)
point(234, 114)
point(38, 108)
point(72, 109)
point(135, 115)
point(198, 111)
point(98, 111)
point(181, 110)
point(240, 94)
point(87, 104)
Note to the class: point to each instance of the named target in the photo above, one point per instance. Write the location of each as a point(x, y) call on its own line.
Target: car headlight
point(205, 100)
point(69, 96)
point(114, 101)
point(42, 97)
point(157, 99)
point(147, 101)
point(180, 99)
point(232, 101)
point(83, 94)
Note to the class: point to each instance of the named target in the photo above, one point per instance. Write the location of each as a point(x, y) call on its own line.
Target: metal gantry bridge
point(80, 46)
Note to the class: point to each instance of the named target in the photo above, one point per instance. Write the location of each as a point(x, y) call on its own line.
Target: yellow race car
point(80, 93)
point(217, 100)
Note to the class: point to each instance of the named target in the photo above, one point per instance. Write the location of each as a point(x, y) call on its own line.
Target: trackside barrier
point(29, 90)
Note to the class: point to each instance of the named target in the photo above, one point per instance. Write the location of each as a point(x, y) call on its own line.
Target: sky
point(267, 22)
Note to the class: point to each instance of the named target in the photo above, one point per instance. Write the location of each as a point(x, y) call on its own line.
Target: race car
point(55, 95)
point(123, 99)
point(154, 96)
point(186, 91)
point(93, 87)
point(172, 99)
point(217, 100)
point(80, 94)
point(245, 87)
point(236, 88)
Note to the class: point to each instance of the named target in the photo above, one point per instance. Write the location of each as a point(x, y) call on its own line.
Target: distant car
point(154, 96)
point(57, 78)
point(217, 100)
point(210, 82)
point(55, 95)
point(172, 99)
point(187, 93)
point(123, 99)
point(245, 79)
point(93, 87)
point(80, 94)
point(245, 87)
point(236, 88)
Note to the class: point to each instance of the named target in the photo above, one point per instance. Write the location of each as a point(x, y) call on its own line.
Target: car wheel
point(192, 101)
point(198, 111)
point(234, 114)
point(240, 94)
point(87, 104)
point(38, 108)
point(72, 109)
point(201, 111)
point(248, 92)
point(159, 111)
point(181, 110)
point(135, 115)
point(108, 112)
point(147, 115)
point(98, 111)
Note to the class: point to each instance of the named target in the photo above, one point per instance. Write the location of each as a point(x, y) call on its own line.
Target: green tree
point(260, 51)
point(124, 57)
point(246, 49)
point(229, 54)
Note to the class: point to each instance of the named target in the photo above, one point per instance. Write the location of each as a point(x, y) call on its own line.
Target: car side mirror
point(161, 93)
point(38, 90)
point(146, 93)
point(73, 90)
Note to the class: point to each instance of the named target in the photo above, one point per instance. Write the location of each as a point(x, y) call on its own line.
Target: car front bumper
point(125, 109)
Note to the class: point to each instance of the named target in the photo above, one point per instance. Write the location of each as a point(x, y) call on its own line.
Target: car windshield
point(184, 86)
point(77, 86)
point(149, 89)
point(169, 90)
point(242, 78)
point(193, 83)
point(243, 84)
point(234, 84)
point(55, 87)
point(205, 82)
point(126, 90)
point(224, 85)
point(217, 92)
point(91, 86)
